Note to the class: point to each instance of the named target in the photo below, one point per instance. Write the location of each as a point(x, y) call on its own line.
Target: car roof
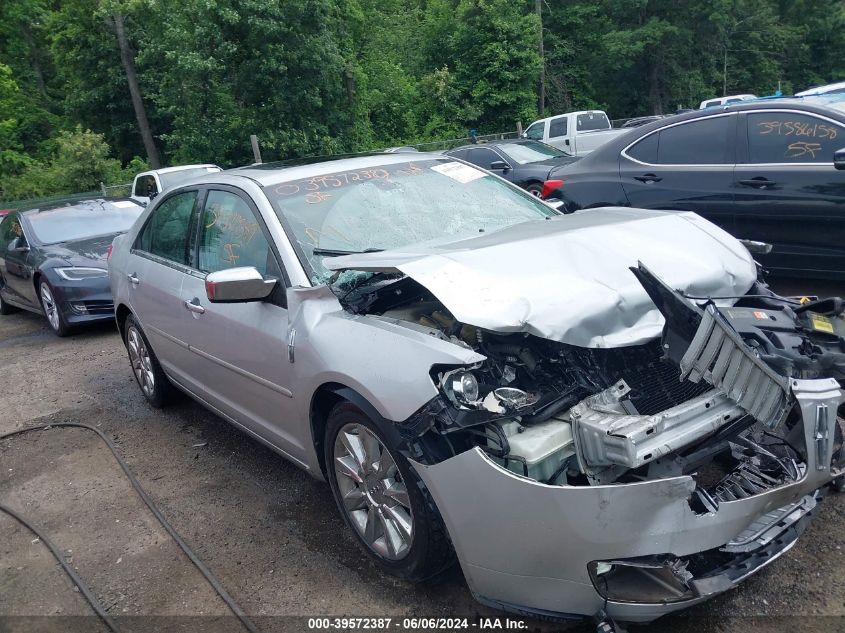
point(820, 90)
point(557, 116)
point(268, 174)
point(168, 170)
point(505, 141)
point(90, 203)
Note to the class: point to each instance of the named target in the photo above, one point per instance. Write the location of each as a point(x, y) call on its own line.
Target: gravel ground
point(269, 532)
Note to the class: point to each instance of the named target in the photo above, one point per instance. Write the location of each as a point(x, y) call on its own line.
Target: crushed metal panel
point(610, 440)
point(567, 279)
point(720, 357)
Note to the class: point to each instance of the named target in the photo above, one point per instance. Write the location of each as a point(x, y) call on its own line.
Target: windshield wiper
point(336, 253)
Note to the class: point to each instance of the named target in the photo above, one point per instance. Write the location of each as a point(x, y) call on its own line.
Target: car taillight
point(209, 289)
point(108, 251)
point(549, 186)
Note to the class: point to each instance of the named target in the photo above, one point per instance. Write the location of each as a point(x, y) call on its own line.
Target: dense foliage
point(189, 81)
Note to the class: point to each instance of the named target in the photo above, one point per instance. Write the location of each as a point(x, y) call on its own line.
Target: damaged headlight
point(464, 386)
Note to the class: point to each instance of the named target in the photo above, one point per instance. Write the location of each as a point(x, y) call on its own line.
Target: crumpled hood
point(568, 279)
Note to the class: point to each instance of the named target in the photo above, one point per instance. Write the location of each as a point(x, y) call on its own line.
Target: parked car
point(148, 184)
point(5, 212)
point(766, 171)
point(827, 89)
point(523, 162)
point(711, 103)
point(577, 133)
point(53, 260)
point(450, 353)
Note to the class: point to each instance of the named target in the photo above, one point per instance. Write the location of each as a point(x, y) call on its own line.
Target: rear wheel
point(52, 310)
point(535, 189)
point(148, 373)
point(381, 499)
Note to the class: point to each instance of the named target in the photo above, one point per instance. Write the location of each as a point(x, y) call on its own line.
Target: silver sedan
point(607, 411)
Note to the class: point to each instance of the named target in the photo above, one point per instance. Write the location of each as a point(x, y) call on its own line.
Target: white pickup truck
point(148, 184)
point(577, 133)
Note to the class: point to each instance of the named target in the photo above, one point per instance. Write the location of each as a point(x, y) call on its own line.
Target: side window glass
point(146, 186)
point(702, 142)
point(645, 150)
point(557, 127)
point(791, 137)
point(231, 237)
point(167, 232)
point(483, 157)
point(459, 153)
point(11, 230)
point(535, 131)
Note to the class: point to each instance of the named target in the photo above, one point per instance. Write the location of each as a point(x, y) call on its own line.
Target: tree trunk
point(127, 60)
point(34, 61)
point(654, 93)
point(541, 90)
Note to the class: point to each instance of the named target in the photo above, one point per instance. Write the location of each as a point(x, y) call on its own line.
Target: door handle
point(133, 279)
point(759, 182)
point(648, 178)
point(194, 306)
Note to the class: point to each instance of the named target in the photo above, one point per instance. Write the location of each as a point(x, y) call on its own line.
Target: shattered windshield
point(395, 205)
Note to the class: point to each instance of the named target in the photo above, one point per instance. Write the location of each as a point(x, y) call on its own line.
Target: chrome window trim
point(624, 151)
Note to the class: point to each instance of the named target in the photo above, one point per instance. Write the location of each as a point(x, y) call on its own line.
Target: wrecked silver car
point(608, 411)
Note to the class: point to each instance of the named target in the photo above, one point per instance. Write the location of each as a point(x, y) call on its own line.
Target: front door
point(15, 265)
point(684, 167)
point(240, 349)
point(788, 193)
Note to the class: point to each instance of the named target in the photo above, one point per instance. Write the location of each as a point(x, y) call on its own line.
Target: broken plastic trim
point(665, 578)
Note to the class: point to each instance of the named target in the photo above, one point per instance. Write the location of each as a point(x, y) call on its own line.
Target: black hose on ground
point(209, 576)
point(83, 588)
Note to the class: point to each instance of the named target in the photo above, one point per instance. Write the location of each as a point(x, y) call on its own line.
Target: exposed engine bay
point(711, 397)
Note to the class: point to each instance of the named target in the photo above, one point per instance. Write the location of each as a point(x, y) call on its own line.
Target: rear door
point(240, 350)
point(156, 267)
point(686, 166)
point(787, 191)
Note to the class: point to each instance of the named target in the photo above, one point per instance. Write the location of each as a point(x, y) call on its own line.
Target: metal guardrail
point(105, 191)
point(434, 146)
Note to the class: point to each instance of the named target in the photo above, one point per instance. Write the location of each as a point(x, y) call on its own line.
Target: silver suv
point(602, 410)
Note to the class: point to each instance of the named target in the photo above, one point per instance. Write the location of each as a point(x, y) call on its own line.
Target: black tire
point(6, 308)
point(154, 384)
point(52, 309)
point(430, 552)
point(535, 189)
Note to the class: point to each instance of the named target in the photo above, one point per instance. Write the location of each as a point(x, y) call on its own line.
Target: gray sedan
point(597, 412)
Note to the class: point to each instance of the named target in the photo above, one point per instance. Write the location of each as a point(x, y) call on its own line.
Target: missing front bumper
point(521, 542)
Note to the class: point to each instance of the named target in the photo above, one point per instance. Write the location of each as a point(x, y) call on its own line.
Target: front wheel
point(381, 499)
point(52, 310)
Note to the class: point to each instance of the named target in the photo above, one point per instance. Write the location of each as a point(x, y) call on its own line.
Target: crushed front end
point(639, 480)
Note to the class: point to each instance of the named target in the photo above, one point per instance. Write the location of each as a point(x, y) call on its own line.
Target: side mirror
point(839, 159)
point(238, 285)
point(499, 165)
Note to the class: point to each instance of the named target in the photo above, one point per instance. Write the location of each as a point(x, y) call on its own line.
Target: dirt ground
point(268, 531)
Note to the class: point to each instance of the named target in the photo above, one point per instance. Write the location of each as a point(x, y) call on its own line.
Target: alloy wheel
point(373, 492)
point(142, 364)
point(50, 307)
